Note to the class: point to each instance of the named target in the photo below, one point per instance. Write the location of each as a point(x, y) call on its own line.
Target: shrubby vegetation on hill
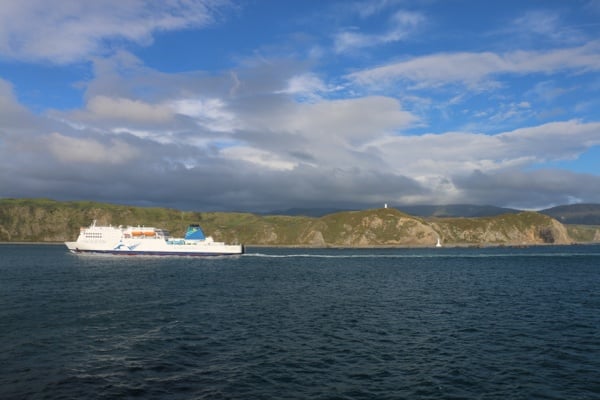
point(51, 221)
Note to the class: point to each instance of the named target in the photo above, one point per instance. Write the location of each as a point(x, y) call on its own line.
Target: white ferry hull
point(141, 250)
point(142, 241)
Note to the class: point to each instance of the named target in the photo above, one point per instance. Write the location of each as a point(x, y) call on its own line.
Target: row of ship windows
point(93, 235)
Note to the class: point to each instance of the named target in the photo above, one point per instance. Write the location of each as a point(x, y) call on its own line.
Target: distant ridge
point(307, 212)
point(456, 210)
point(575, 214)
point(425, 211)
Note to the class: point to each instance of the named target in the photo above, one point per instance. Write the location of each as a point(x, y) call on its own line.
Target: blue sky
point(268, 105)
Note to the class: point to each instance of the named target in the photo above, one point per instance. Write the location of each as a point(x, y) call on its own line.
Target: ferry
point(148, 241)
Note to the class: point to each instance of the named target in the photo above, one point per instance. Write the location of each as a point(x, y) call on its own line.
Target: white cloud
point(472, 68)
point(278, 131)
point(554, 141)
point(349, 40)
point(71, 30)
point(548, 90)
point(74, 150)
point(10, 108)
point(351, 120)
point(403, 23)
point(459, 153)
point(211, 113)
point(127, 110)
point(261, 158)
point(305, 84)
point(540, 21)
point(325, 134)
point(545, 24)
point(160, 136)
point(502, 112)
point(369, 8)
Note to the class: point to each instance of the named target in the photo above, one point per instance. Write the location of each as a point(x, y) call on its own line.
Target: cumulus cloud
point(347, 121)
point(554, 141)
point(74, 150)
point(306, 86)
point(459, 153)
point(127, 110)
point(348, 152)
point(71, 30)
point(210, 113)
point(269, 134)
point(452, 164)
point(369, 165)
point(11, 111)
point(258, 157)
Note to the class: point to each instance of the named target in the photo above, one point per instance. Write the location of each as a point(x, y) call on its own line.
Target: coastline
point(294, 246)
point(35, 243)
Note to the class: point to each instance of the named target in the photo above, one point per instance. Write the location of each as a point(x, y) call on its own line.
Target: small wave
point(305, 255)
point(428, 255)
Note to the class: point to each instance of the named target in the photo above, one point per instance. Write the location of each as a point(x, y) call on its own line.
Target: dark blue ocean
point(496, 323)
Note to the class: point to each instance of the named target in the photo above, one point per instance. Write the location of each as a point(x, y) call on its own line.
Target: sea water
point(498, 323)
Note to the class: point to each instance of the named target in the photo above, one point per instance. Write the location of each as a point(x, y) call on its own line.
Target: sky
point(262, 105)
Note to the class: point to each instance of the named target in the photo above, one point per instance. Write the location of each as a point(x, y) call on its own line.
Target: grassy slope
point(48, 220)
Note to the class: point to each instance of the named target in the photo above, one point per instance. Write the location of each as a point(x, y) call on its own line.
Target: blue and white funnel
point(194, 232)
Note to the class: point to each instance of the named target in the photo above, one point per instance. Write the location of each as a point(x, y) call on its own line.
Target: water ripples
point(326, 324)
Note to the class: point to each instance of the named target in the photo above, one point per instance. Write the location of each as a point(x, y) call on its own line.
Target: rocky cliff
point(526, 228)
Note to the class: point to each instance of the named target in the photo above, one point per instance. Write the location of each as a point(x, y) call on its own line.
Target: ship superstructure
point(141, 240)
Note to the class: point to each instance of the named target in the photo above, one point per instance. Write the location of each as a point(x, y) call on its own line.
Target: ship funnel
point(194, 232)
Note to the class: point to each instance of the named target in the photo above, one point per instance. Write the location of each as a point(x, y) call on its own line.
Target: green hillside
point(42, 220)
point(49, 220)
point(584, 233)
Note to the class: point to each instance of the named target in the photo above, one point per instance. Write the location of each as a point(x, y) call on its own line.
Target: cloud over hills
point(362, 111)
